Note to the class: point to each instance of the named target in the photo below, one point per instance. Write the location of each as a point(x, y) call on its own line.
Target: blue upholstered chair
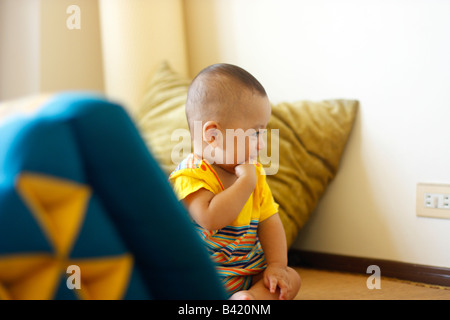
point(86, 212)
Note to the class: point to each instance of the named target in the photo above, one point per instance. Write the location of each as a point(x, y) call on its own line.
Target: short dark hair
point(216, 85)
point(234, 72)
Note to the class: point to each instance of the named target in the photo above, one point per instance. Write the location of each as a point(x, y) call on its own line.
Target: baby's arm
point(273, 241)
point(214, 212)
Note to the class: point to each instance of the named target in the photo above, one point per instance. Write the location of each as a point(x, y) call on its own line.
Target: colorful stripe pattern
point(236, 250)
point(234, 284)
point(237, 253)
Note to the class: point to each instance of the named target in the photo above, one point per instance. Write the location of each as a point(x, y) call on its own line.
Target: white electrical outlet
point(433, 200)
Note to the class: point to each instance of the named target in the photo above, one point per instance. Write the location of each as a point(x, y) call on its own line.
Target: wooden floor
point(328, 285)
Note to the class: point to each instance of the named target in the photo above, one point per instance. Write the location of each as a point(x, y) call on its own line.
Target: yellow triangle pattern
point(112, 273)
point(59, 206)
point(20, 275)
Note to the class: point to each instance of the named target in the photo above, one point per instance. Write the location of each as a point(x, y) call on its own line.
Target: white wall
point(393, 56)
point(19, 48)
point(70, 59)
point(118, 46)
point(38, 53)
point(136, 36)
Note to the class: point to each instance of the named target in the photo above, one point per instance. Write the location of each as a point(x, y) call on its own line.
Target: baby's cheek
point(239, 156)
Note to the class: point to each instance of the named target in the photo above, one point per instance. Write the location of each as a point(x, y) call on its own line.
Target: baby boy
point(225, 190)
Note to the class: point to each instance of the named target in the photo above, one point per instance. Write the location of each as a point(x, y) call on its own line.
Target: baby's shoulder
point(190, 162)
point(191, 166)
point(192, 174)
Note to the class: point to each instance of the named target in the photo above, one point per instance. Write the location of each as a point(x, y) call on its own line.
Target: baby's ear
point(210, 132)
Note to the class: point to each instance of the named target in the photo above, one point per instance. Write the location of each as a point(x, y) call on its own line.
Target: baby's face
point(244, 136)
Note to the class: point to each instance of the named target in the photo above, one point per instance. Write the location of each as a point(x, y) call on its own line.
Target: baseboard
point(405, 271)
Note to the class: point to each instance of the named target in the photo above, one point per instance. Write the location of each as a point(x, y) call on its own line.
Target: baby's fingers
point(284, 289)
point(273, 283)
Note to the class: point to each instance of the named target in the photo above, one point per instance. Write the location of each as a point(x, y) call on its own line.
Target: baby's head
point(225, 100)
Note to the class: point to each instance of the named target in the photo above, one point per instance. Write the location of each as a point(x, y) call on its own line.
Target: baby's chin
point(249, 160)
point(228, 167)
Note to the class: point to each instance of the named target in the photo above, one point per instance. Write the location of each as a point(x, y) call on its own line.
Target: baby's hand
point(277, 276)
point(248, 171)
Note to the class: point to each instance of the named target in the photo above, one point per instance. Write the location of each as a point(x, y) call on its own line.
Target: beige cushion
point(312, 137)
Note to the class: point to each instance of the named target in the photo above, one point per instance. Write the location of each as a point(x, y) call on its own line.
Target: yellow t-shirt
point(235, 248)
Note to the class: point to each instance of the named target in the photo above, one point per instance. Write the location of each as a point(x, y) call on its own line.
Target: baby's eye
point(256, 134)
point(259, 133)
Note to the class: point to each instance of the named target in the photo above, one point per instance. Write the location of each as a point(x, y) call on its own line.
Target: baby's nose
point(261, 144)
